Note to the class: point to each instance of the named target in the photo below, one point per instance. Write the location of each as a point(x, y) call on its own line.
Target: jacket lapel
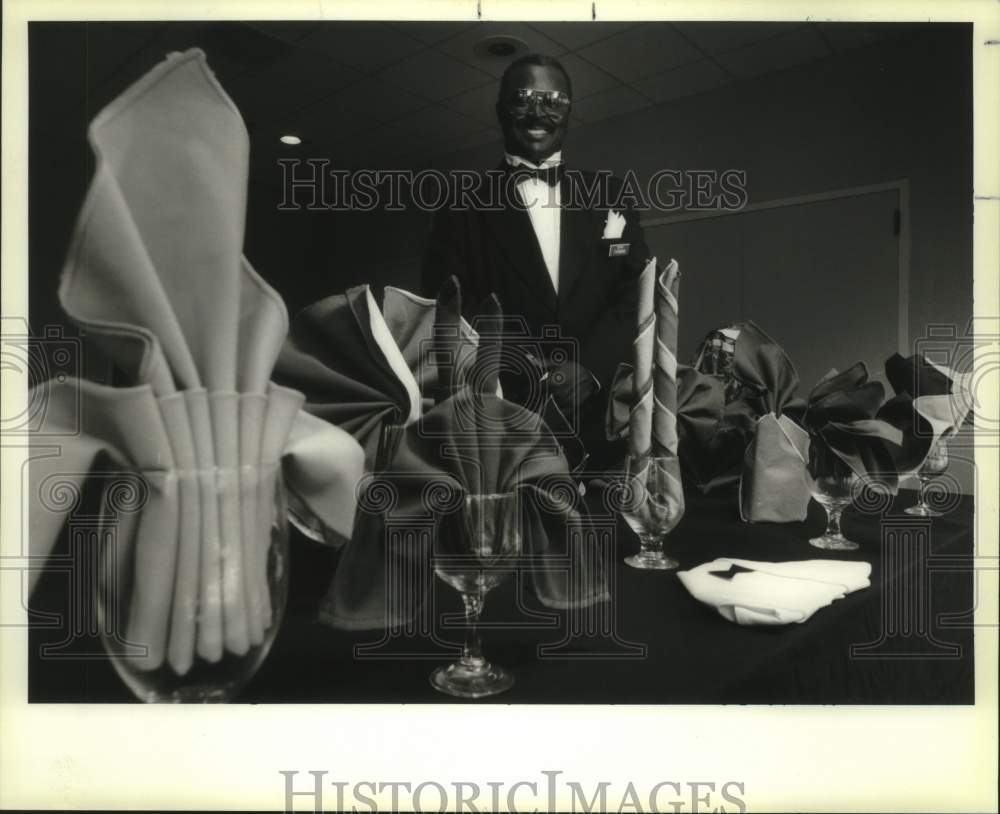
point(512, 229)
point(577, 236)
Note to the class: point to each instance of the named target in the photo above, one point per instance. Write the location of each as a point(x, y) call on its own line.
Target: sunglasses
point(549, 101)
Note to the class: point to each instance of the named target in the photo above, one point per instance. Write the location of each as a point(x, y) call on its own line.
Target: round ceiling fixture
point(500, 48)
point(290, 139)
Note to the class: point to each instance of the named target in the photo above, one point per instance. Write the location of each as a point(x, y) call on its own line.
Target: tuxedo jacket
point(497, 252)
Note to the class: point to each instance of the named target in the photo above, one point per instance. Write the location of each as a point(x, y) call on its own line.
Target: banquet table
point(907, 639)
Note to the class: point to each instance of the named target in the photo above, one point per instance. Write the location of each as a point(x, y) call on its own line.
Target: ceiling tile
point(462, 45)
point(365, 46)
point(378, 99)
point(478, 103)
point(641, 51)
point(431, 32)
point(108, 48)
point(326, 118)
point(795, 48)
point(845, 36)
point(717, 38)
point(288, 30)
point(585, 77)
point(434, 75)
point(577, 35)
point(684, 81)
point(439, 122)
point(291, 83)
point(608, 103)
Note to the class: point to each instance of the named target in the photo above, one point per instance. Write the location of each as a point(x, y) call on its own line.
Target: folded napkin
point(931, 402)
point(652, 405)
point(841, 416)
point(773, 484)
point(471, 443)
point(773, 593)
point(361, 367)
point(758, 380)
point(156, 276)
point(732, 423)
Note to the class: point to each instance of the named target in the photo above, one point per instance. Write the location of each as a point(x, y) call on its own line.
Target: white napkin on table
point(748, 592)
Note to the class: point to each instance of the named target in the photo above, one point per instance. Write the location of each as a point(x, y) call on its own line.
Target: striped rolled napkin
point(640, 423)
point(653, 415)
point(664, 435)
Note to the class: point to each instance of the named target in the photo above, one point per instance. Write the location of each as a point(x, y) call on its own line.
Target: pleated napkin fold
point(157, 278)
point(748, 592)
point(471, 443)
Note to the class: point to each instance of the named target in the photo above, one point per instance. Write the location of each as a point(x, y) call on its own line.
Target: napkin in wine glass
point(471, 443)
point(842, 413)
point(361, 366)
point(931, 402)
point(156, 276)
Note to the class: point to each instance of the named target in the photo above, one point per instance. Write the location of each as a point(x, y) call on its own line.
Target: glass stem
point(472, 654)
point(650, 545)
point(922, 491)
point(833, 521)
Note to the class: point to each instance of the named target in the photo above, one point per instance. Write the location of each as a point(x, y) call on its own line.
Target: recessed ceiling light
point(290, 140)
point(500, 48)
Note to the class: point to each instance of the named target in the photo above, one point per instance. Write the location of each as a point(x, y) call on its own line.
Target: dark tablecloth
point(905, 640)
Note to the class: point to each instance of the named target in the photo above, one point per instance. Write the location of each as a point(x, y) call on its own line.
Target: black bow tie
point(550, 175)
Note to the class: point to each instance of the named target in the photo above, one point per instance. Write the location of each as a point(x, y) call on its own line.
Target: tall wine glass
point(832, 483)
point(474, 552)
point(936, 463)
point(650, 507)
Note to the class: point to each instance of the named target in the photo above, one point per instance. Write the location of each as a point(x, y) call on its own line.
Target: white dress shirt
point(544, 205)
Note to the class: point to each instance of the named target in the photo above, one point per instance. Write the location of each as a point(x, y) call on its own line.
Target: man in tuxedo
point(541, 248)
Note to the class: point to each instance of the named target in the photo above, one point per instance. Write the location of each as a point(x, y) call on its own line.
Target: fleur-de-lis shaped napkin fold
point(471, 443)
point(156, 276)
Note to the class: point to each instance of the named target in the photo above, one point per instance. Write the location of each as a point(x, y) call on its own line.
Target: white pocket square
point(614, 225)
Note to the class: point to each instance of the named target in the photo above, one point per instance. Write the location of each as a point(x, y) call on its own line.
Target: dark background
point(802, 107)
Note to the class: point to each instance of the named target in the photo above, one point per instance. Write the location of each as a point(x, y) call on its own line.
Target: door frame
point(902, 188)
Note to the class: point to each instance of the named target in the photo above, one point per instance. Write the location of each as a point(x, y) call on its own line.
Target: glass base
point(922, 511)
point(832, 542)
point(464, 681)
point(651, 561)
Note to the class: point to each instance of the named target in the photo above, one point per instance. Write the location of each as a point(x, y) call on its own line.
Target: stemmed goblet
point(832, 483)
point(934, 464)
point(650, 506)
point(475, 550)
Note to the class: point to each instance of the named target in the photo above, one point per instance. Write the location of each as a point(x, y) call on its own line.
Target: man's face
point(533, 132)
